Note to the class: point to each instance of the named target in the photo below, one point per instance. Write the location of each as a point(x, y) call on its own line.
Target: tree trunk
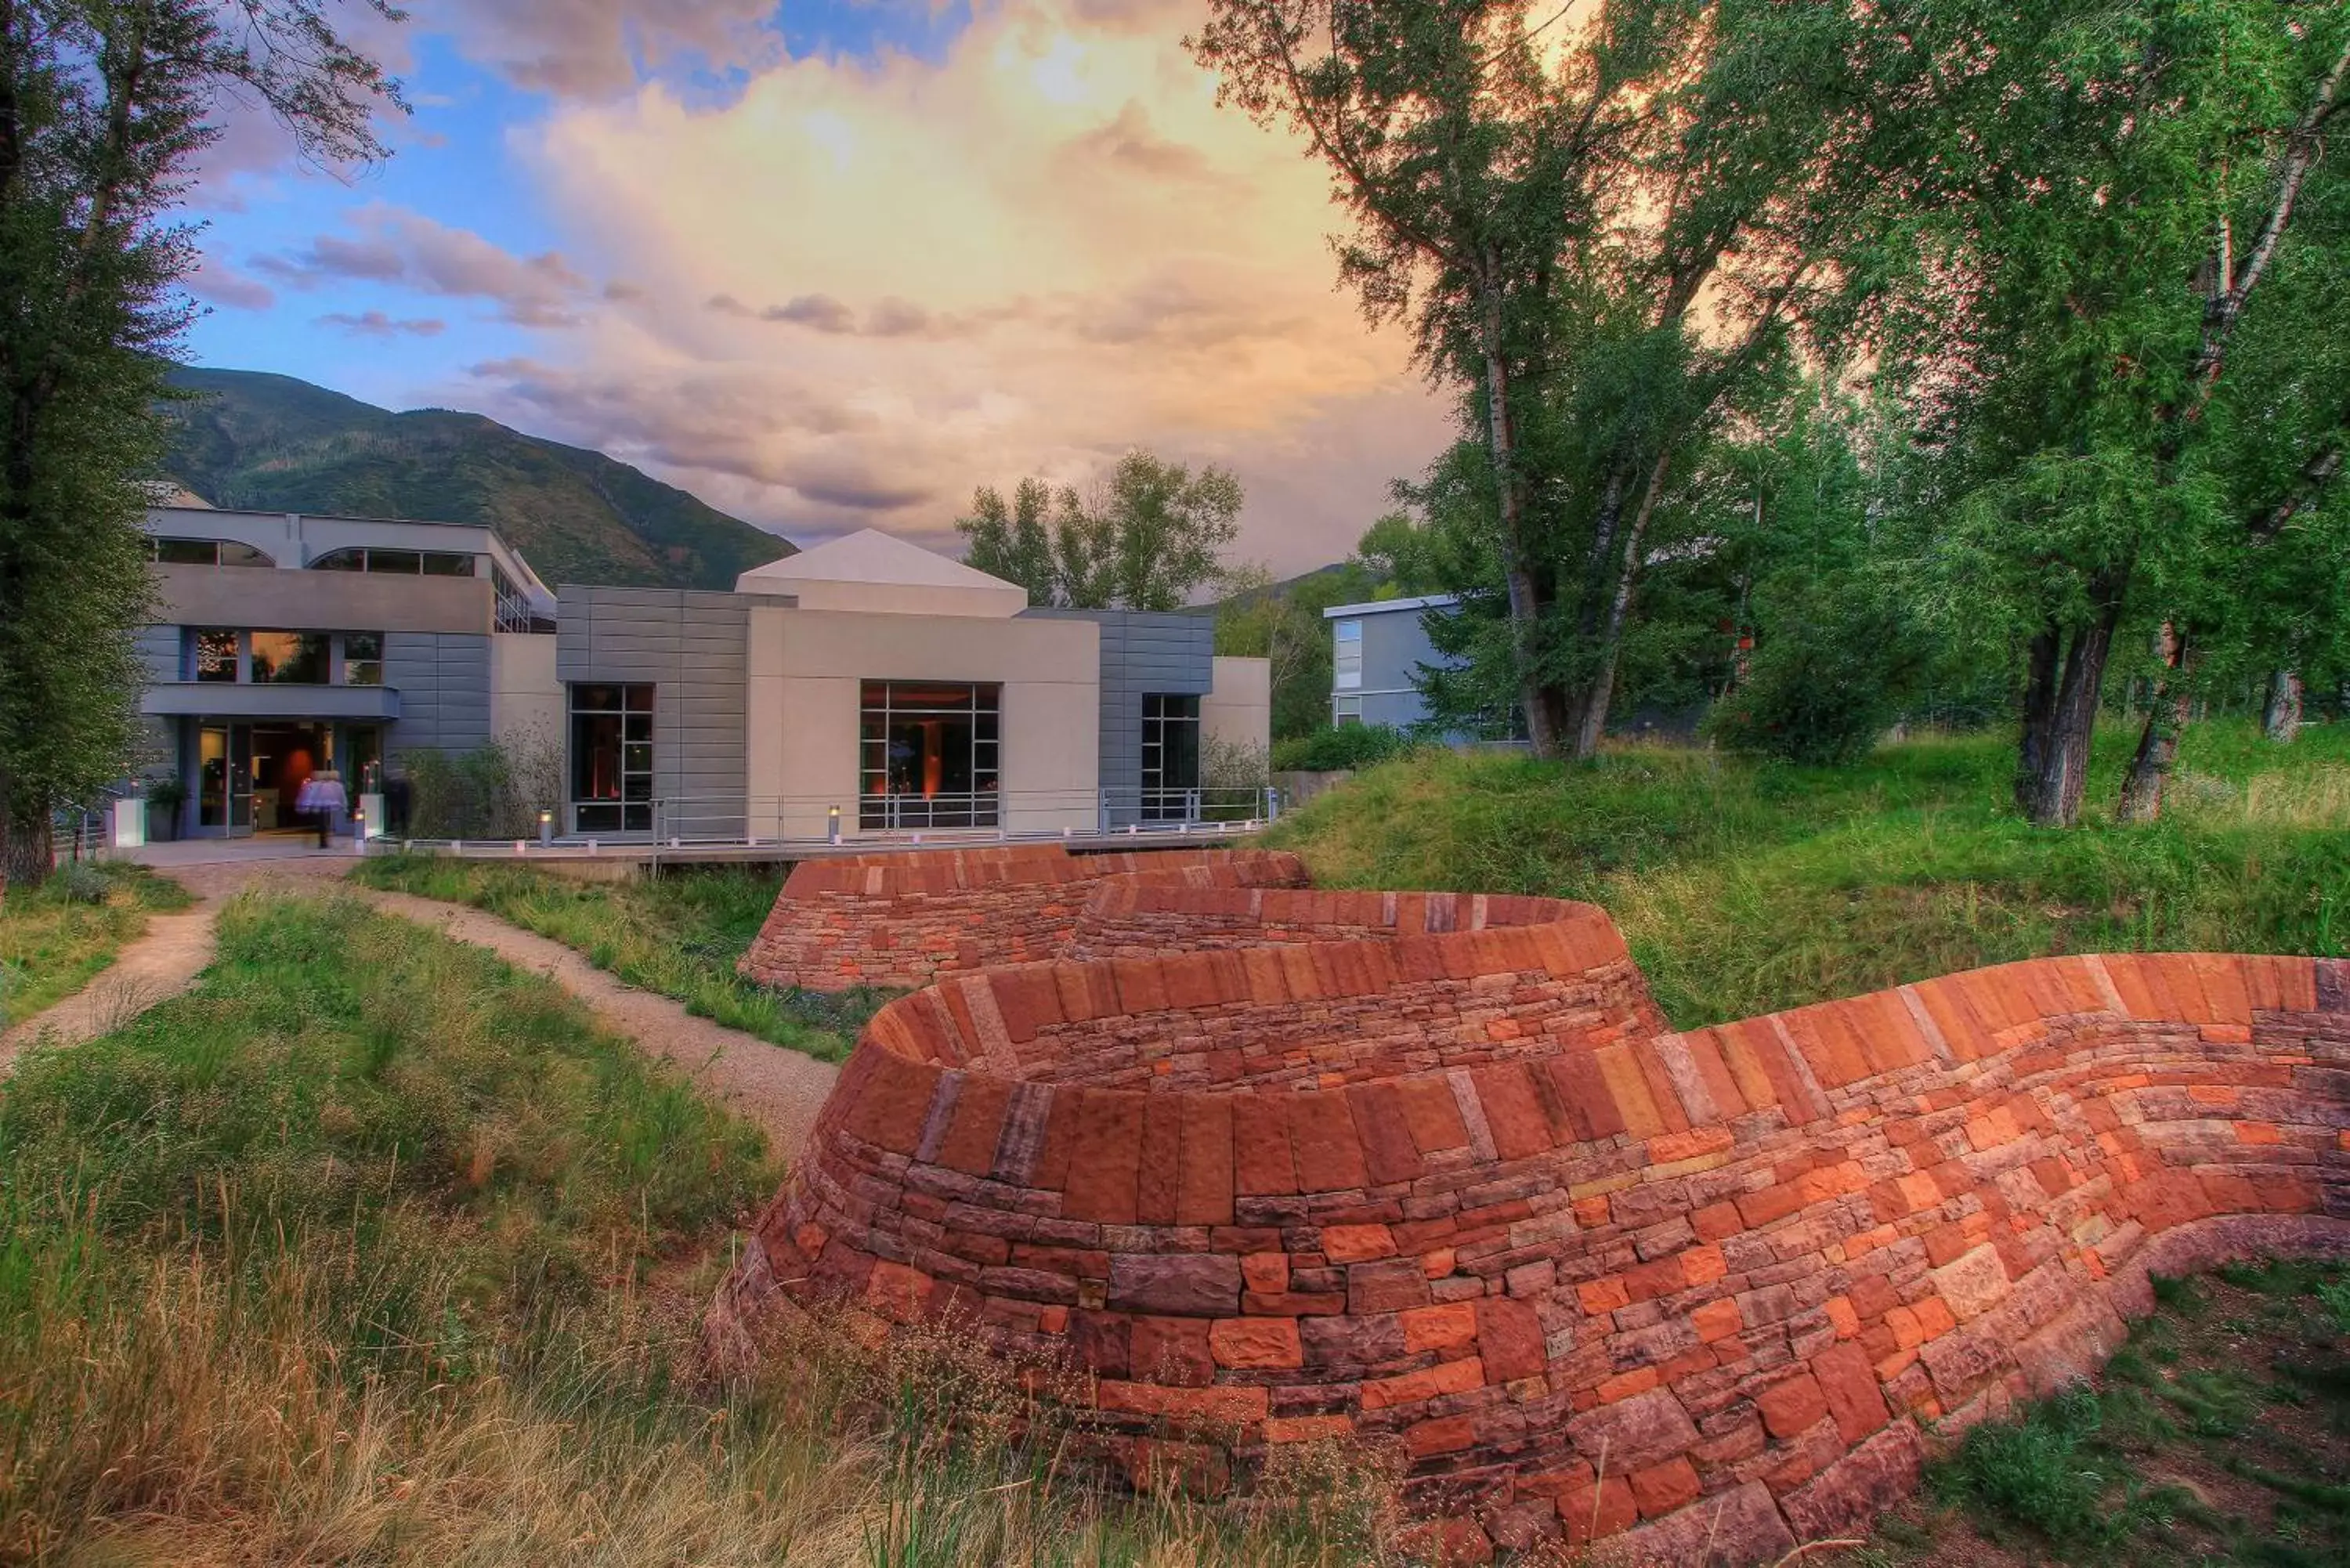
point(1593, 728)
point(2039, 711)
point(2281, 720)
point(26, 853)
point(2157, 743)
point(2051, 790)
point(1525, 603)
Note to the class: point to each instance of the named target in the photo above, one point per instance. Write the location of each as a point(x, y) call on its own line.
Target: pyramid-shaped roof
point(874, 571)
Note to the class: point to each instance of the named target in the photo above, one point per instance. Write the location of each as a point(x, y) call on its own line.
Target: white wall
point(807, 668)
point(1239, 710)
point(524, 692)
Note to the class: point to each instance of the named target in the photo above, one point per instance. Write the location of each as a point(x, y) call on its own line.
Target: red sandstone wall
point(1701, 1287)
point(900, 921)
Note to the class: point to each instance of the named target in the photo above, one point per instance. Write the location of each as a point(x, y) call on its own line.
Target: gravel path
point(779, 1089)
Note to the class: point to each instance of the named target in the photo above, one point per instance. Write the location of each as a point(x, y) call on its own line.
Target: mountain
point(274, 443)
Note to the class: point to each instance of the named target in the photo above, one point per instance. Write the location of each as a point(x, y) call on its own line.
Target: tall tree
point(104, 107)
point(2116, 187)
point(1153, 533)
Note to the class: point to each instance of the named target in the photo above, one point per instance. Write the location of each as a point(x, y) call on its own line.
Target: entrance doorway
point(284, 758)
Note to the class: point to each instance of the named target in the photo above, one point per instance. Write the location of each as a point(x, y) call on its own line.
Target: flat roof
point(1381, 607)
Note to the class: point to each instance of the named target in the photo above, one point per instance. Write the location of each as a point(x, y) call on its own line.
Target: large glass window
point(611, 759)
point(1170, 756)
point(931, 755)
point(1349, 654)
point(291, 658)
point(212, 655)
point(363, 659)
point(1345, 710)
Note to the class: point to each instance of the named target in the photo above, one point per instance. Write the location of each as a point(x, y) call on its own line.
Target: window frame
point(1165, 722)
point(884, 808)
point(1347, 655)
point(632, 744)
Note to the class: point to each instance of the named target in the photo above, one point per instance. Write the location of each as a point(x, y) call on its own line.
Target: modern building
point(1376, 651)
point(866, 685)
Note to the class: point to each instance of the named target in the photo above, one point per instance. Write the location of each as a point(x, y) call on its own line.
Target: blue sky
point(829, 266)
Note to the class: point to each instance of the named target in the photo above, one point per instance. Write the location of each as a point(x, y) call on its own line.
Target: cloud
point(587, 49)
point(216, 282)
point(869, 285)
point(376, 323)
point(409, 250)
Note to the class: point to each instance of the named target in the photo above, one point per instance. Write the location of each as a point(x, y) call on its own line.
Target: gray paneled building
point(1377, 652)
point(865, 683)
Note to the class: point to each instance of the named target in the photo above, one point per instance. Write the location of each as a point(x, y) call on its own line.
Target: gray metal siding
point(1395, 644)
point(1141, 651)
point(444, 681)
point(693, 649)
point(159, 649)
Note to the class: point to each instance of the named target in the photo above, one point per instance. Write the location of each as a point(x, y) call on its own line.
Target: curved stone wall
point(1447, 1179)
point(900, 921)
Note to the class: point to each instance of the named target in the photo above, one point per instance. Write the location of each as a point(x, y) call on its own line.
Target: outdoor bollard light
point(833, 824)
point(518, 846)
point(547, 827)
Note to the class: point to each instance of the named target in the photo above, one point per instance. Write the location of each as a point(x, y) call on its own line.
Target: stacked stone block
point(897, 921)
point(1446, 1180)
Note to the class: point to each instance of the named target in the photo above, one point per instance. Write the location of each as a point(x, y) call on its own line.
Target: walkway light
point(547, 827)
point(833, 824)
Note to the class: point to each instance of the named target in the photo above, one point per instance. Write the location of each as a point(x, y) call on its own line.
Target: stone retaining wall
point(1459, 1189)
point(900, 921)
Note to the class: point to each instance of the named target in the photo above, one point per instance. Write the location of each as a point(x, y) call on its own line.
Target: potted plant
point(165, 796)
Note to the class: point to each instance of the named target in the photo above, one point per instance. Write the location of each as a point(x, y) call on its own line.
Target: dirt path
point(165, 959)
point(779, 1089)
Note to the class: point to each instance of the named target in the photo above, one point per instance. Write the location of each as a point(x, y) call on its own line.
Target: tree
point(104, 105)
point(1153, 534)
point(2117, 189)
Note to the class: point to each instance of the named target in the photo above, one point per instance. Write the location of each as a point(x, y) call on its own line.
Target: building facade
point(1376, 651)
point(865, 686)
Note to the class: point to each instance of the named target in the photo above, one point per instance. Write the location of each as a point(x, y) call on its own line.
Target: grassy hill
point(281, 444)
point(1747, 886)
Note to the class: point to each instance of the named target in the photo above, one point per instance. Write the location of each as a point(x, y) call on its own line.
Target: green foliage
point(274, 443)
point(494, 791)
point(1334, 749)
point(679, 935)
point(1282, 624)
point(1153, 534)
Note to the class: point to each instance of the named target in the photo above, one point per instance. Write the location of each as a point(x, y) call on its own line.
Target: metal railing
point(785, 822)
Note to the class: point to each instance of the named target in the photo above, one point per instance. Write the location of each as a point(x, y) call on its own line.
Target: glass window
point(612, 759)
point(439, 564)
point(402, 562)
point(1349, 658)
point(341, 561)
point(929, 754)
point(1170, 756)
point(211, 656)
point(363, 659)
point(1347, 711)
point(187, 552)
point(291, 658)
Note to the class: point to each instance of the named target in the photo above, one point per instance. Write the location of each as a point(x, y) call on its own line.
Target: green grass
point(2213, 1436)
point(678, 934)
point(1746, 887)
point(372, 1250)
point(54, 940)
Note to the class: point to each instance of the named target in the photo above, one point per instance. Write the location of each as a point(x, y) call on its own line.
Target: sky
point(829, 266)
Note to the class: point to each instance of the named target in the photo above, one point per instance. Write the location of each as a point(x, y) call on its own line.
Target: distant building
point(1377, 651)
point(865, 676)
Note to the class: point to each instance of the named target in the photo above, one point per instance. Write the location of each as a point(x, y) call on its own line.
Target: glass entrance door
point(224, 779)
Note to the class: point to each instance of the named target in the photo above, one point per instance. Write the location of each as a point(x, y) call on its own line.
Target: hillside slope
point(1745, 887)
point(276, 443)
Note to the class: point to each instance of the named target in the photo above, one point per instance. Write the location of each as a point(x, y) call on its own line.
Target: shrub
point(1832, 679)
point(1336, 750)
point(79, 882)
point(495, 792)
